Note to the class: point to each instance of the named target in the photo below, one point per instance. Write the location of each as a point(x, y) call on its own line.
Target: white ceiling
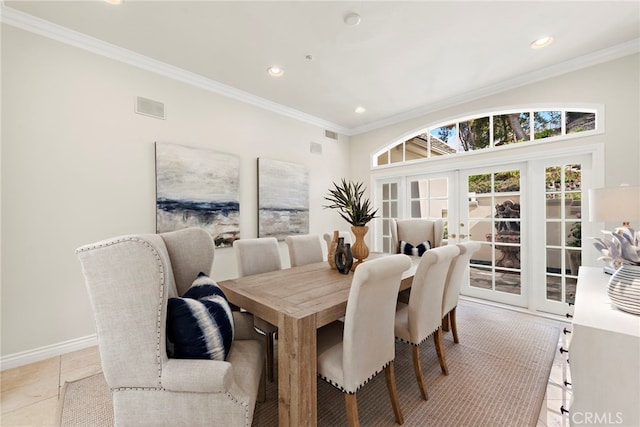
point(403, 59)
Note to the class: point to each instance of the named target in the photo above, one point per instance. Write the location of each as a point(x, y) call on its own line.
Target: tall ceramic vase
point(359, 249)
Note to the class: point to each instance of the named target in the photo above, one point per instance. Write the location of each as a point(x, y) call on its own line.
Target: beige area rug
point(497, 377)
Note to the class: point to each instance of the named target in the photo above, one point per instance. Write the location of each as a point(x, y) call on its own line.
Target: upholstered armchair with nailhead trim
point(129, 280)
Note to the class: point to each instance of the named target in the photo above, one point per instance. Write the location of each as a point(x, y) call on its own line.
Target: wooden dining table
point(298, 301)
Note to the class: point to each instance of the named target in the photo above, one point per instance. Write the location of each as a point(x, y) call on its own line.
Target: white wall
point(78, 166)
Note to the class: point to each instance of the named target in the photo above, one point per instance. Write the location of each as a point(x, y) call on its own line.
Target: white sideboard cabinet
point(604, 357)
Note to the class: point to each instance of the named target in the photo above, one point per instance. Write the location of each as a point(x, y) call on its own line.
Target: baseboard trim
point(543, 314)
point(26, 357)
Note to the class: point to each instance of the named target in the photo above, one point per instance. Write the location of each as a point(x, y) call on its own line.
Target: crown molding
point(82, 41)
point(70, 37)
point(585, 61)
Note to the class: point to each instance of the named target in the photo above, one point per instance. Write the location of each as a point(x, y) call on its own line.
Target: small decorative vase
point(343, 256)
point(360, 249)
point(624, 288)
point(331, 256)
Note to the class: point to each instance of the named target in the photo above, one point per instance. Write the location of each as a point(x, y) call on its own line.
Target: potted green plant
point(348, 198)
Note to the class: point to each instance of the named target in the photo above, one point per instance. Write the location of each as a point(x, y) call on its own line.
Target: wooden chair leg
point(445, 323)
point(269, 347)
point(454, 325)
point(390, 374)
point(437, 339)
point(262, 388)
point(351, 406)
point(417, 368)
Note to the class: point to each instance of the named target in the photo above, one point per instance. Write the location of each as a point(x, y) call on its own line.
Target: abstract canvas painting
point(283, 199)
point(198, 188)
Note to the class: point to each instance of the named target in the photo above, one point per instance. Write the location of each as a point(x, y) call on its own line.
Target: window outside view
point(488, 131)
point(494, 221)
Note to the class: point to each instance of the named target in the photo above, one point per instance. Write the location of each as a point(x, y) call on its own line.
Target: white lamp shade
point(614, 204)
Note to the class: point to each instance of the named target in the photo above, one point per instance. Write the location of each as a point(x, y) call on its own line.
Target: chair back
point(129, 280)
point(258, 255)
point(456, 275)
point(369, 340)
point(346, 235)
point(416, 231)
point(427, 292)
point(191, 251)
point(304, 249)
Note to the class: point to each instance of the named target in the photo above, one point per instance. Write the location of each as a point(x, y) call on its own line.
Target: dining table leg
point(297, 371)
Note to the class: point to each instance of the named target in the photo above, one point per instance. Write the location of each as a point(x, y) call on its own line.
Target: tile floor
point(30, 393)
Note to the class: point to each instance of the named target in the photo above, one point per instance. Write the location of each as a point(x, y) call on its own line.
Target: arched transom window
point(488, 131)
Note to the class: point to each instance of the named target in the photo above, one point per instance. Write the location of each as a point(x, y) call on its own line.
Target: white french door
point(526, 215)
point(493, 211)
point(558, 187)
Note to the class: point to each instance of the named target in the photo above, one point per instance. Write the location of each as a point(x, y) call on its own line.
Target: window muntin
point(487, 131)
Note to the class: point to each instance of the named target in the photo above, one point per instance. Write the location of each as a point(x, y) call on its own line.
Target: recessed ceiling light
point(360, 109)
point(352, 19)
point(541, 42)
point(275, 71)
point(114, 1)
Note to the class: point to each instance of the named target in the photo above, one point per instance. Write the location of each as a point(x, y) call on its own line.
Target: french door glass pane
point(494, 220)
point(429, 199)
point(438, 188)
point(563, 229)
point(389, 210)
point(480, 277)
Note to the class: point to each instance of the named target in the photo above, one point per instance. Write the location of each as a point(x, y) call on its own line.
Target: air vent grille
point(149, 107)
point(330, 134)
point(315, 147)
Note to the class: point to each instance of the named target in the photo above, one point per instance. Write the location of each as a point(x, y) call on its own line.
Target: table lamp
point(622, 251)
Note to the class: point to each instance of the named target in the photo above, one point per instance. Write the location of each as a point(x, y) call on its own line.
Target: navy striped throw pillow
point(200, 324)
point(408, 249)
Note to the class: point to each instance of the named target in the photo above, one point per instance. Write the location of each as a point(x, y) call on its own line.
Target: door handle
point(462, 236)
point(453, 236)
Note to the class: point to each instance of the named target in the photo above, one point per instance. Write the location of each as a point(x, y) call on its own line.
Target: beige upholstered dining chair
point(255, 256)
point(304, 249)
point(353, 352)
point(416, 231)
point(129, 280)
point(422, 317)
point(348, 238)
point(459, 267)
